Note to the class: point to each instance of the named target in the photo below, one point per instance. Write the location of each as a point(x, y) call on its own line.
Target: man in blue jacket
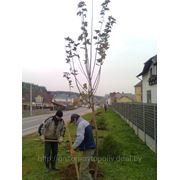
point(84, 142)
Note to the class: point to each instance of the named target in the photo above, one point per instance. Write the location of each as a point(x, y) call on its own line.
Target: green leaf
point(81, 4)
point(88, 41)
point(85, 23)
point(97, 31)
point(80, 38)
point(99, 60)
point(77, 44)
point(79, 13)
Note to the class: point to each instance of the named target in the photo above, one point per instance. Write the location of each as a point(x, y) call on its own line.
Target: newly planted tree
point(87, 54)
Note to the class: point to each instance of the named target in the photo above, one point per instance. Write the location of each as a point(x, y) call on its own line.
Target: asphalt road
point(31, 124)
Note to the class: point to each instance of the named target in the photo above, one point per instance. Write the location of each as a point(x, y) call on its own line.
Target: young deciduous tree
point(87, 55)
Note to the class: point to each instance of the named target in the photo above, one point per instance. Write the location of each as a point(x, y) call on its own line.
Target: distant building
point(138, 92)
point(64, 98)
point(39, 100)
point(113, 96)
point(120, 97)
point(124, 99)
point(67, 99)
point(149, 80)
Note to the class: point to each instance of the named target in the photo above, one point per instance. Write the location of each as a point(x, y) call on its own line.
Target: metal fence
point(143, 118)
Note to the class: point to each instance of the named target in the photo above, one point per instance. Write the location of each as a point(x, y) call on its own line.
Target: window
point(148, 96)
point(150, 72)
point(155, 69)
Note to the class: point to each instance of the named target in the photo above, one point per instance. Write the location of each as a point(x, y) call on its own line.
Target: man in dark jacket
point(52, 131)
point(84, 142)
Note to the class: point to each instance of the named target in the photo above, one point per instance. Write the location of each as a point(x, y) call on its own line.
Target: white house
point(149, 81)
point(64, 98)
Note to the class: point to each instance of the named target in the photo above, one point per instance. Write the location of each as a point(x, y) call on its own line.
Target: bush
point(101, 123)
point(110, 148)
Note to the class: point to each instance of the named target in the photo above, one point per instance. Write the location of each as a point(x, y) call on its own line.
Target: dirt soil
point(69, 172)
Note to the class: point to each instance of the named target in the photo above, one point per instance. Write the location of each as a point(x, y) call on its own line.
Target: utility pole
point(30, 99)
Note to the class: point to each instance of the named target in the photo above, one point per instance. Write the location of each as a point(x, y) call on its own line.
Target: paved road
point(30, 124)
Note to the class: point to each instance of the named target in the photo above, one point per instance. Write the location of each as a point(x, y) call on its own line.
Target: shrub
point(110, 148)
point(101, 123)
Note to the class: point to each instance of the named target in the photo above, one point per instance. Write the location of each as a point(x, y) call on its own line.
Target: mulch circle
point(69, 172)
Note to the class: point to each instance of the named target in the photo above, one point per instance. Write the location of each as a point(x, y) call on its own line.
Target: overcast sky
point(46, 23)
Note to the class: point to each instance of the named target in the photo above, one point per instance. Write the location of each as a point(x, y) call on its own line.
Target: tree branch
point(91, 38)
point(97, 80)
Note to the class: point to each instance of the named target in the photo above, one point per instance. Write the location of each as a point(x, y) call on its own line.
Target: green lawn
point(137, 161)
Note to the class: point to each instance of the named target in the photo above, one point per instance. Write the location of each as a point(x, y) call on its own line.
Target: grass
point(138, 162)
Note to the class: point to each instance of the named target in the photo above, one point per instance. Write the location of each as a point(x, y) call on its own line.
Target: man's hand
point(42, 138)
point(73, 152)
point(60, 140)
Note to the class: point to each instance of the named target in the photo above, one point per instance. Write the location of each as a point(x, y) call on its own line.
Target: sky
point(47, 23)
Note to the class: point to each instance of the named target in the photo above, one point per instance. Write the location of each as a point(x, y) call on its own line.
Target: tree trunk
point(96, 135)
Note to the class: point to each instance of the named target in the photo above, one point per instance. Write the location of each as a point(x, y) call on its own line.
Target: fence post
point(126, 108)
point(155, 129)
point(144, 124)
point(131, 115)
point(137, 121)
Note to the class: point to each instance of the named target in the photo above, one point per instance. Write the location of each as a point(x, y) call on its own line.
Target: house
point(41, 100)
point(65, 98)
point(149, 81)
point(112, 97)
point(138, 92)
point(120, 97)
point(125, 97)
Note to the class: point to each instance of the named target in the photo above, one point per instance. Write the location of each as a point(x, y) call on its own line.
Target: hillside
point(36, 89)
